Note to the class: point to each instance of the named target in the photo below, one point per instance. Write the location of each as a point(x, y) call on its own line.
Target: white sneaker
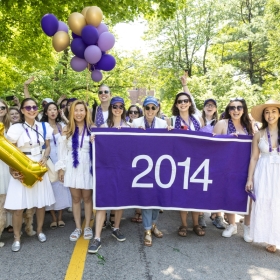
point(75, 235)
point(229, 231)
point(246, 235)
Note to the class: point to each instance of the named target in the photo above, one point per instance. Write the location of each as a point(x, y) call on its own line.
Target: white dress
point(62, 195)
point(265, 225)
point(4, 183)
point(80, 177)
point(41, 194)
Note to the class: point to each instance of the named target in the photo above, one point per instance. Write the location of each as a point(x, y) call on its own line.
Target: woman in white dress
point(150, 121)
point(62, 194)
point(116, 118)
point(28, 137)
point(74, 165)
point(264, 174)
point(4, 168)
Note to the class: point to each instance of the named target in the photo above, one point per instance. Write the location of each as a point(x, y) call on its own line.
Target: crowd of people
point(64, 132)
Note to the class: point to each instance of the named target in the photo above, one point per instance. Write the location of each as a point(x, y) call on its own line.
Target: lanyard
point(83, 137)
point(54, 135)
point(27, 132)
point(147, 124)
point(269, 142)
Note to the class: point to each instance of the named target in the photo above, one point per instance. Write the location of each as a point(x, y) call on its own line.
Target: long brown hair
point(175, 110)
point(6, 119)
point(265, 124)
point(71, 126)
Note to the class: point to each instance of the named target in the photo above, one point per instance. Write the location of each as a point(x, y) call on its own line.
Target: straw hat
point(257, 111)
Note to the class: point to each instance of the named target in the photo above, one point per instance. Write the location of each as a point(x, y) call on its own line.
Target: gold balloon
point(31, 170)
point(60, 41)
point(94, 16)
point(84, 11)
point(77, 22)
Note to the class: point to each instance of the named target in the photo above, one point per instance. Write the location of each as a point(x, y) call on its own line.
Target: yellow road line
point(77, 262)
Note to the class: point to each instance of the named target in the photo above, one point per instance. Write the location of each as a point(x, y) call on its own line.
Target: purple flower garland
point(99, 117)
point(193, 120)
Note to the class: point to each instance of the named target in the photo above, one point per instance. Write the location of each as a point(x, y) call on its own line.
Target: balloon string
point(87, 79)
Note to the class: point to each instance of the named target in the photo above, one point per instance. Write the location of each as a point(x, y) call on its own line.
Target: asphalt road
point(172, 257)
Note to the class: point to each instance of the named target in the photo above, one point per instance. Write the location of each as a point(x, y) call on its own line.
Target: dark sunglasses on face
point(209, 105)
point(117, 107)
point(152, 108)
point(103, 91)
point(233, 108)
point(2, 108)
point(133, 112)
point(62, 106)
point(29, 108)
point(183, 101)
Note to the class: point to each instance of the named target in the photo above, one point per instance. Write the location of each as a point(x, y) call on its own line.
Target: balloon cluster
point(91, 40)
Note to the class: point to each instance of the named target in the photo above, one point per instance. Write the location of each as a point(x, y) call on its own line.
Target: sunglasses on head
point(103, 91)
point(2, 108)
point(152, 108)
point(117, 107)
point(183, 101)
point(233, 108)
point(29, 108)
point(134, 112)
point(236, 99)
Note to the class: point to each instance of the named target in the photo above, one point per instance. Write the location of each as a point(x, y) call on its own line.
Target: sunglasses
point(183, 101)
point(134, 112)
point(2, 108)
point(29, 108)
point(209, 105)
point(117, 107)
point(62, 106)
point(233, 108)
point(152, 108)
point(103, 91)
point(236, 99)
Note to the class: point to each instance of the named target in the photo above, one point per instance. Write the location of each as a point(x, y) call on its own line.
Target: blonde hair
point(71, 126)
point(6, 119)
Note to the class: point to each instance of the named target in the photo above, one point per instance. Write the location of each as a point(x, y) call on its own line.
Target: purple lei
point(75, 147)
point(147, 124)
point(99, 117)
point(231, 128)
point(193, 120)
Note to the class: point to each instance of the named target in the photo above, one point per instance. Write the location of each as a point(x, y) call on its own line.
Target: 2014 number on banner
point(187, 163)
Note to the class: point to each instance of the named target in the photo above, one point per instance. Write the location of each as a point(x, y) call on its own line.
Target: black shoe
point(94, 246)
point(118, 235)
point(112, 223)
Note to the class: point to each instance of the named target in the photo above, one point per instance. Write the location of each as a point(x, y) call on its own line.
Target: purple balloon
point(92, 54)
point(106, 63)
point(74, 36)
point(62, 26)
point(96, 75)
point(90, 35)
point(78, 64)
point(106, 41)
point(78, 47)
point(102, 27)
point(49, 24)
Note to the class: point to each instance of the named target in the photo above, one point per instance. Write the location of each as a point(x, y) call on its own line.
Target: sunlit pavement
point(172, 257)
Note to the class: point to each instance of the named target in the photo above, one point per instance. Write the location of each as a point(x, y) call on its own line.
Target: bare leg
point(231, 218)
point(53, 215)
point(118, 217)
point(40, 215)
point(17, 223)
point(184, 217)
point(76, 206)
point(99, 220)
point(87, 198)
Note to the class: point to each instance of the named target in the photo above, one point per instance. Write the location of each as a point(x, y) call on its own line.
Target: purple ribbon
point(191, 118)
point(232, 129)
point(269, 142)
point(147, 124)
point(99, 117)
point(27, 132)
point(59, 130)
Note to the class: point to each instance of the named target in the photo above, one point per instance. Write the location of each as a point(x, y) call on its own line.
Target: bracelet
point(46, 157)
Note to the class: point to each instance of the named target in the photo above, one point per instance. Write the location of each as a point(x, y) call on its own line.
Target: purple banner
point(179, 170)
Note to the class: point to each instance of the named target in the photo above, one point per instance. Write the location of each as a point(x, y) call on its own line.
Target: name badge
point(274, 158)
point(35, 151)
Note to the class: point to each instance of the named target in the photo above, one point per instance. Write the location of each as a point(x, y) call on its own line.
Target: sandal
point(148, 238)
point(61, 224)
point(53, 225)
point(157, 233)
point(112, 223)
point(271, 248)
point(199, 230)
point(182, 231)
point(137, 218)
